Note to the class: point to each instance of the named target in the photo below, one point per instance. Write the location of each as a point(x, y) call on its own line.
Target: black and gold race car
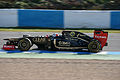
point(68, 40)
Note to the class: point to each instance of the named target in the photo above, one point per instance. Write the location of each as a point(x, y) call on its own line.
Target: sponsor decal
point(100, 37)
point(72, 34)
point(8, 47)
point(63, 43)
point(38, 39)
point(66, 47)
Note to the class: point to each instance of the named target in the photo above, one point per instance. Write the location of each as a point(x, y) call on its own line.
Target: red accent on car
point(46, 36)
point(101, 36)
point(56, 34)
point(8, 47)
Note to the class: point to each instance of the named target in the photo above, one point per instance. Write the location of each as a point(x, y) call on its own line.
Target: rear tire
point(24, 44)
point(94, 46)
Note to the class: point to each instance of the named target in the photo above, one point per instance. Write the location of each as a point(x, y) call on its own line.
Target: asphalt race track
point(59, 69)
point(113, 38)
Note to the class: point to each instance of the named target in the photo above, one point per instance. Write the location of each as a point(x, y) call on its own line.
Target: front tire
point(24, 44)
point(94, 46)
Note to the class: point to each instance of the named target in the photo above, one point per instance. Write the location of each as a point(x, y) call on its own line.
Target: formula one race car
point(68, 40)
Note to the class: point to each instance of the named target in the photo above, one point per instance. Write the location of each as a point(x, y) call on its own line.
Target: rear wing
point(101, 36)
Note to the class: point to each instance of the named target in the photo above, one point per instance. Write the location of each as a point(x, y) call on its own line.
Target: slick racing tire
point(24, 44)
point(94, 46)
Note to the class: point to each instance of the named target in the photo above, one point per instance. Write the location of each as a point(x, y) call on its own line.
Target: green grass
point(53, 30)
point(30, 30)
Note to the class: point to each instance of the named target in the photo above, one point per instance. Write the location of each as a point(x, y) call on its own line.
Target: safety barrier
point(87, 19)
point(41, 18)
point(115, 20)
point(59, 18)
point(8, 18)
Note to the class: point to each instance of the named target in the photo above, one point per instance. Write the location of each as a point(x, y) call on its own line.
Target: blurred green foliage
point(62, 4)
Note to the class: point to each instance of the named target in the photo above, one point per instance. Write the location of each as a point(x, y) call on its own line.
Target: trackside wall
point(60, 18)
point(87, 19)
point(115, 20)
point(8, 18)
point(41, 18)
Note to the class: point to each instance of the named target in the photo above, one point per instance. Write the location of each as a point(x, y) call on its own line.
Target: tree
point(21, 5)
point(4, 4)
